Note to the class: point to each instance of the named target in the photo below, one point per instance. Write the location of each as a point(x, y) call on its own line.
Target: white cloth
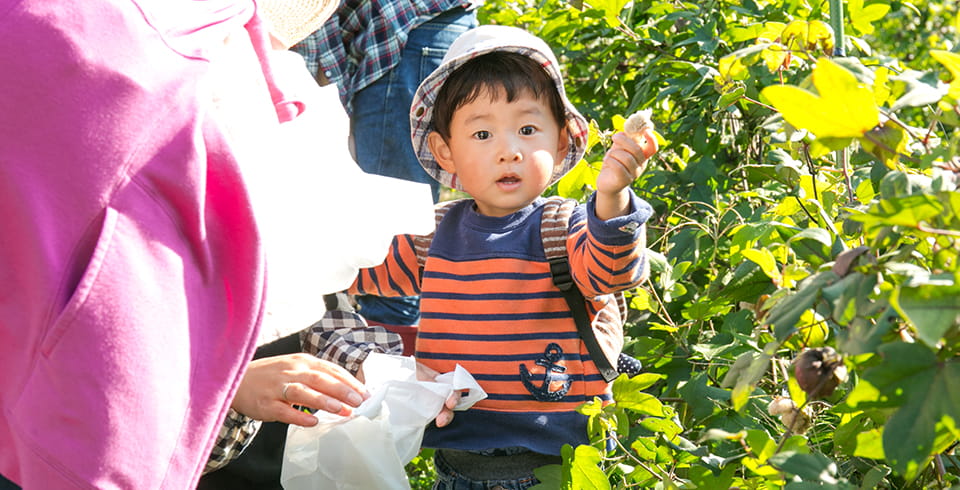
point(321, 217)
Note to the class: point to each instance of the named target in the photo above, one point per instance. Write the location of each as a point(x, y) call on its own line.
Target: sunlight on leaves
point(863, 16)
point(844, 108)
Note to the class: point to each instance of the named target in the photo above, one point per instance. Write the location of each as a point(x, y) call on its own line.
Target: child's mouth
point(509, 180)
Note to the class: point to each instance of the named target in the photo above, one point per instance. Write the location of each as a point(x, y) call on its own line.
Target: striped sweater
point(489, 304)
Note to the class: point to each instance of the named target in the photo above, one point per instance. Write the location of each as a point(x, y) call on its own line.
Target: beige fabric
point(293, 20)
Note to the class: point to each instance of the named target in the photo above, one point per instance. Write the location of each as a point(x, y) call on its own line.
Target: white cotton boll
point(781, 405)
point(639, 121)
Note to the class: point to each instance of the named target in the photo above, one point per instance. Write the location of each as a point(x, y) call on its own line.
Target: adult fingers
point(326, 386)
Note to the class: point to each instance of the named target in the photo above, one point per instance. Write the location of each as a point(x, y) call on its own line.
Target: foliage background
point(820, 213)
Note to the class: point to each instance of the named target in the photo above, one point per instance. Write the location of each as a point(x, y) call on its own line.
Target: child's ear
point(441, 152)
point(563, 146)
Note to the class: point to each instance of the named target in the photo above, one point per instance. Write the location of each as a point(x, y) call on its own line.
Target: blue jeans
point(380, 130)
point(7, 484)
point(449, 479)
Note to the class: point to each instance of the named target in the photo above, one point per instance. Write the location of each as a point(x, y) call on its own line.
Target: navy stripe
point(616, 255)
point(373, 280)
point(486, 276)
point(516, 377)
point(494, 357)
point(528, 398)
point(493, 296)
point(497, 317)
point(580, 240)
point(403, 266)
point(496, 337)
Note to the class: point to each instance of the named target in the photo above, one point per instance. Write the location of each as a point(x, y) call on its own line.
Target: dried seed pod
point(819, 371)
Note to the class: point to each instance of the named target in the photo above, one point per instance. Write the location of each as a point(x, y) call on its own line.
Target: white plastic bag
point(369, 449)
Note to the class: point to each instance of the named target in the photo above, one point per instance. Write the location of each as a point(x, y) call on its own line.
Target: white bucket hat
point(475, 42)
point(291, 21)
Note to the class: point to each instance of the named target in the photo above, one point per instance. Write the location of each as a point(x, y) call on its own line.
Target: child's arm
point(623, 163)
point(398, 275)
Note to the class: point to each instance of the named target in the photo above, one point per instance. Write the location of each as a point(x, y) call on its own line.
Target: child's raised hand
point(627, 158)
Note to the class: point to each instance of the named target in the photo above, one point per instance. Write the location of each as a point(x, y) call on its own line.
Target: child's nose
point(510, 152)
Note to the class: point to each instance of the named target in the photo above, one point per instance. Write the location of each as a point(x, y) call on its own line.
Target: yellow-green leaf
point(641, 301)
point(952, 62)
point(820, 33)
point(585, 472)
point(844, 108)
point(794, 35)
point(862, 17)
point(881, 85)
point(764, 258)
point(774, 57)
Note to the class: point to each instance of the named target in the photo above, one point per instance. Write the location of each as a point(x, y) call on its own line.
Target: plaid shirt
point(364, 40)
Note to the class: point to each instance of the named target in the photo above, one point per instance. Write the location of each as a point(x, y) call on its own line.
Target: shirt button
point(328, 73)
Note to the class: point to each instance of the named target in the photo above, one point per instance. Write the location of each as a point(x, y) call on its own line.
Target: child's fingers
point(646, 140)
point(622, 163)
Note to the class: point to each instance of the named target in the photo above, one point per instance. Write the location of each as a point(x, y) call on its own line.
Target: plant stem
point(836, 22)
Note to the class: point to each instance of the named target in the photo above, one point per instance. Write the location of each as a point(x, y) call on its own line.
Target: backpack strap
point(553, 231)
point(421, 243)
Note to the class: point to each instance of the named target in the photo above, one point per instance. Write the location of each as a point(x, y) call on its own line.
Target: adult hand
point(425, 373)
point(272, 385)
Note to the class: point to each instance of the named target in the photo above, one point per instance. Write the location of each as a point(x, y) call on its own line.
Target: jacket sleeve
point(608, 256)
point(398, 275)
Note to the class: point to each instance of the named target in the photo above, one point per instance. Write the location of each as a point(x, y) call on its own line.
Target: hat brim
point(291, 21)
point(421, 111)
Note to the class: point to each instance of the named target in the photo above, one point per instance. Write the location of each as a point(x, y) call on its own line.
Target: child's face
point(503, 153)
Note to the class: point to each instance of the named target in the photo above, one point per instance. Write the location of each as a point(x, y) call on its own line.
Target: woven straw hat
point(293, 20)
point(473, 43)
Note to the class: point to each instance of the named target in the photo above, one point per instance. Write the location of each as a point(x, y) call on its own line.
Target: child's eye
point(481, 135)
point(528, 130)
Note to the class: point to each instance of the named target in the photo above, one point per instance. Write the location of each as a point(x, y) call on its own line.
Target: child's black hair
point(515, 73)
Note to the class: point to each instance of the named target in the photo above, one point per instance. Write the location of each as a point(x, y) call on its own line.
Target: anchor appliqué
point(552, 376)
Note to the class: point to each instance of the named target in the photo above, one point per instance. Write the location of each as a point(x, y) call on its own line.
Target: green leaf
point(862, 17)
point(768, 264)
point(844, 107)
point(812, 245)
point(641, 402)
point(952, 62)
point(761, 448)
point(586, 473)
point(550, 476)
point(746, 283)
point(785, 315)
point(667, 427)
point(703, 399)
point(859, 436)
point(932, 309)
point(873, 477)
point(809, 467)
point(927, 390)
point(611, 10)
point(909, 211)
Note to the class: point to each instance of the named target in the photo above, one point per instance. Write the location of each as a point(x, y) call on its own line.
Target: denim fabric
point(380, 132)
point(7, 484)
point(448, 479)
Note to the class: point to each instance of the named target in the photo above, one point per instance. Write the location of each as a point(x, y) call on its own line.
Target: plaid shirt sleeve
point(344, 338)
point(236, 434)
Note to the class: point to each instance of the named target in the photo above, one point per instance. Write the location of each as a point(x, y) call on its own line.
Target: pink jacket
point(131, 269)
